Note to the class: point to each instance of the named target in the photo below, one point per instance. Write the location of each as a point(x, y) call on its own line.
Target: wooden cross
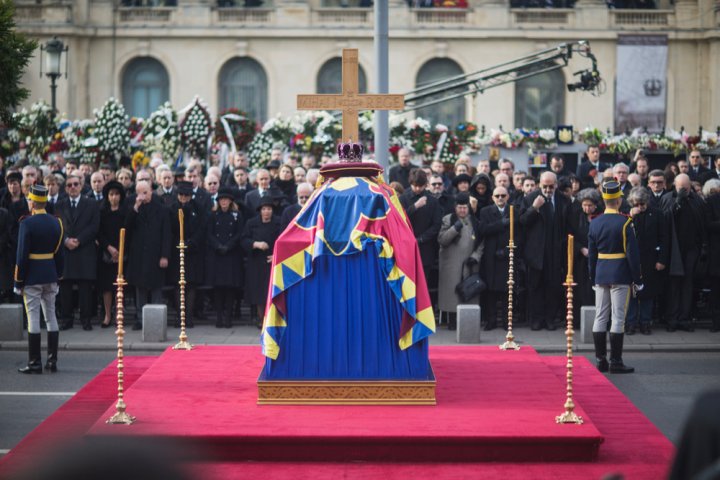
point(350, 102)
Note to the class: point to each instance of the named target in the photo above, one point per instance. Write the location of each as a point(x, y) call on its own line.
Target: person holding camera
point(460, 250)
point(685, 212)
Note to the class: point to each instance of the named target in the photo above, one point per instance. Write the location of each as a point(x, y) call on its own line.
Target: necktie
point(73, 204)
point(73, 209)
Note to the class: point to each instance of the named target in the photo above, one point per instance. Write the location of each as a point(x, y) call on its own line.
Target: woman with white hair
point(653, 239)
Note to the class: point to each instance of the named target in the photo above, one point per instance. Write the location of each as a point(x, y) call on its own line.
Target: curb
point(581, 348)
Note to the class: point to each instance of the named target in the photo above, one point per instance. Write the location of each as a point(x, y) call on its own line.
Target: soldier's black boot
point(600, 340)
point(52, 349)
point(34, 361)
point(616, 348)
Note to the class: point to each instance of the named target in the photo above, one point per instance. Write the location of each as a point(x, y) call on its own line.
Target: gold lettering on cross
point(350, 102)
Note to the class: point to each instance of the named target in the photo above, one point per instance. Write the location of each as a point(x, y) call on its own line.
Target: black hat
point(178, 171)
point(184, 188)
point(610, 190)
point(38, 193)
point(274, 164)
point(265, 201)
point(225, 192)
point(13, 177)
point(114, 185)
point(463, 177)
point(462, 198)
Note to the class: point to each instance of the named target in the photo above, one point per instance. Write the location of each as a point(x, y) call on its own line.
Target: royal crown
point(350, 152)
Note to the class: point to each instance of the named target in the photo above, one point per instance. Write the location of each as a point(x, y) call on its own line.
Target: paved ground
point(543, 341)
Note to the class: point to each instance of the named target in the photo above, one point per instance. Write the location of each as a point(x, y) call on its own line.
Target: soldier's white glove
point(18, 291)
point(637, 288)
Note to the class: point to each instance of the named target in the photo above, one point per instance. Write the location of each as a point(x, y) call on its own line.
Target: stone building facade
point(258, 58)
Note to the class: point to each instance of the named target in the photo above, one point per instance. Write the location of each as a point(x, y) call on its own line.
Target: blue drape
point(343, 322)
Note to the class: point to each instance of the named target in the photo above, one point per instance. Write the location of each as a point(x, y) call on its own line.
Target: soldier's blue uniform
point(39, 264)
point(614, 264)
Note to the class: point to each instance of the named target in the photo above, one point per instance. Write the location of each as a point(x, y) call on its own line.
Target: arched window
point(540, 100)
point(450, 112)
point(243, 85)
point(329, 79)
point(145, 86)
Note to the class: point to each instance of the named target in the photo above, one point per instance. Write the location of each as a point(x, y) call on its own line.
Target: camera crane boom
point(524, 67)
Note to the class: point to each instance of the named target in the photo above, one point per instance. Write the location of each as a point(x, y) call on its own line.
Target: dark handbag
point(470, 287)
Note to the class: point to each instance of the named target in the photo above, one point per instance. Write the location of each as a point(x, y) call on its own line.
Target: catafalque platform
point(491, 406)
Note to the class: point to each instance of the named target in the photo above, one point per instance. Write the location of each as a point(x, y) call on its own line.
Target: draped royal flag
point(344, 217)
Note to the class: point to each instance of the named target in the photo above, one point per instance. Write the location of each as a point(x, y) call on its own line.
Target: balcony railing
point(433, 17)
point(343, 16)
point(655, 19)
point(553, 17)
point(145, 14)
point(244, 15)
point(51, 14)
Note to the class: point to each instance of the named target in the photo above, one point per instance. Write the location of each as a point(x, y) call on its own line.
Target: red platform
point(633, 446)
point(491, 406)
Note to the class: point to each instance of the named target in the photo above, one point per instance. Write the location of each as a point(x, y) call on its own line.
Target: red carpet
point(492, 406)
point(632, 446)
point(74, 418)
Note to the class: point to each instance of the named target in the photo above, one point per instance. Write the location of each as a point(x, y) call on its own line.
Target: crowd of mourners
point(460, 218)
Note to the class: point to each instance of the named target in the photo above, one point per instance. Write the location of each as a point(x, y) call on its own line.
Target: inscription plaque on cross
point(350, 102)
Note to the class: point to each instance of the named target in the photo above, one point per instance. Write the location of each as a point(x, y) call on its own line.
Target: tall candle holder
point(121, 416)
point(510, 338)
point(569, 416)
point(183, 344)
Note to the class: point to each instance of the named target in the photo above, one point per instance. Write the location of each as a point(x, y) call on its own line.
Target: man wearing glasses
point(495, 232)
point(81, 220)
point(697, 166)
point(542, 216)
point(445, 199)
point(656, 184)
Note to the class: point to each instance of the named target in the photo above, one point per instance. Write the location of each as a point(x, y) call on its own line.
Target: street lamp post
point(53, 49)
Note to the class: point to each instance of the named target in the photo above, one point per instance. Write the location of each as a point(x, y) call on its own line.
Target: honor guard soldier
point(39, 264)
point(614, 264)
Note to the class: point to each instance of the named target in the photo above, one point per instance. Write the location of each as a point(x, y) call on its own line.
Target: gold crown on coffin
point(350, 152)
point(565, 135)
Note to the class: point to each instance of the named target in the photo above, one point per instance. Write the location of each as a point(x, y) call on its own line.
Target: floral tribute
point(241, 126)
point(195, 129)
point(162, 133)
point(111, 129)
point(35, 129)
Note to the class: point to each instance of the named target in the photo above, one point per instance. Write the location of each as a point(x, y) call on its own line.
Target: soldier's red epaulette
point(626, 215)
point(23, 218)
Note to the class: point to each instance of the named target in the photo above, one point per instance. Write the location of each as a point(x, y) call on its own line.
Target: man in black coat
point(656, 185)
point(401, 173)
point(81, 221)
point(254, 197)
point(303, 192)
point(167, 190)
point(148, 229)
point(698, 170)
point(444, 198)
point(425, 216)
point(685, 212)
point(543, 218)
point(712, 173)
point(495, 233)
point(587, 171)
point(712, 219)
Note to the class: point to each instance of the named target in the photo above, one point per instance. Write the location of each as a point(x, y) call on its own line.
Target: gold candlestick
point(183, 344)
point(569, 416)
point(509, 338)
point(120, 416)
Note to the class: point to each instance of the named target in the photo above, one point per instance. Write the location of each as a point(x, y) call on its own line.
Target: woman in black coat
point(112, 219)
point(258, 241)
point(224, 255)
point(481, 189)
point(653, 238)
point(579, 218)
